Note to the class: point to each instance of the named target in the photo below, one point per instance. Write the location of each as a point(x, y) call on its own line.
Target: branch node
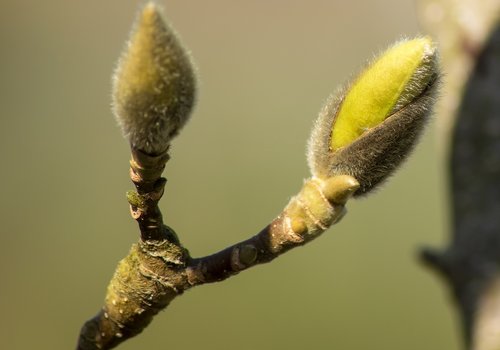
point(338, 189)
point(297, 225)
point(146, 170)
point(248, 254)
point(196, 274)
point(243, 256)
point(295, 228)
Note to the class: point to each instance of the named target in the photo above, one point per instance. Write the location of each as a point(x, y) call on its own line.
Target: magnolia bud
point(369, 127)
point(153, 85)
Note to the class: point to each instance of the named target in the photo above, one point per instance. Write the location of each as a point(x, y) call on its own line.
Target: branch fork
point(362, 135)
point(158, 267)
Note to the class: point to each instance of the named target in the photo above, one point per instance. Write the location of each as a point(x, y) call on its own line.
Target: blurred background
point(265, 68)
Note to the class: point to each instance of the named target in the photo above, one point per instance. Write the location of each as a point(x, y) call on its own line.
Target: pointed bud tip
point(150, 6)
point(151, 12)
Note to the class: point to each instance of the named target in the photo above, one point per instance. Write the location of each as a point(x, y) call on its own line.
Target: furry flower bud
point(369, 127)
point(153, 85)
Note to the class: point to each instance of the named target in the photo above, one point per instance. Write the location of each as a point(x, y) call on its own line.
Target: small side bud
point(368, 128)
point(153, 85)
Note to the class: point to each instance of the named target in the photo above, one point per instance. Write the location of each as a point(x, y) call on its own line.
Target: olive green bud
point(153, 85)
point(369, 127)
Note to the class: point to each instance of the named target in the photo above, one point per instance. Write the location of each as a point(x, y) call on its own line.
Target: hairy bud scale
point(153, 85)
point(369, 127)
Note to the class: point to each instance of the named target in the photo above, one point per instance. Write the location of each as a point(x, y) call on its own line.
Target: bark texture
point(158, 268)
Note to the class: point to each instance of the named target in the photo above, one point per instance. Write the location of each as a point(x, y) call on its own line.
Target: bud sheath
point(367, 129)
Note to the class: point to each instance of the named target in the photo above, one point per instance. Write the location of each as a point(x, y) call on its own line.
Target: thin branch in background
point(471, 263)
point(461, 28)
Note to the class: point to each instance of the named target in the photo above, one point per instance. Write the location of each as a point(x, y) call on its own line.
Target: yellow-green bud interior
point(376, 91)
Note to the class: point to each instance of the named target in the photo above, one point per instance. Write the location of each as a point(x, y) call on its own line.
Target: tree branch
point(360, 136)
point(322, 204)
point(471, 263)
point(158, 268)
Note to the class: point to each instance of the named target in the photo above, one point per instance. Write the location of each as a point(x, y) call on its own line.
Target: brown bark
point(158, 268)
